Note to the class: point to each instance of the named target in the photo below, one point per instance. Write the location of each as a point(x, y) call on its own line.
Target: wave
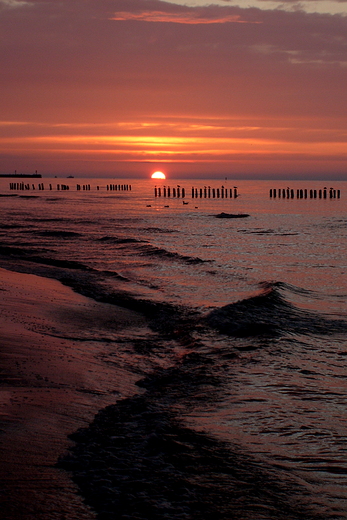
point(261, 231)
point(58, 234)
point(58, 219)
point(114, 274)
point(13, 251)
point(29, 255)
point(149, 250)
point(92, 283)
point(269, 313)
point(120, 240)
point(160, 230)
point(56, 262)
point(12, 226)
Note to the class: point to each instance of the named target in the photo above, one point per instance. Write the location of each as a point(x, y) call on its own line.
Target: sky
point(122, 88)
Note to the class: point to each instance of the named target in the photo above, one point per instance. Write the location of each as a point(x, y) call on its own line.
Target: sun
point(158, 175)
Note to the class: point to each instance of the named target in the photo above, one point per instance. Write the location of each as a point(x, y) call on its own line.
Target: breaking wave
point(269, 313)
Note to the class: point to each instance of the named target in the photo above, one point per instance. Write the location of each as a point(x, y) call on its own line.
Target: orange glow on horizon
point(243, 143)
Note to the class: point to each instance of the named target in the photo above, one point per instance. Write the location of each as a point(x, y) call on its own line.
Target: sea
point(240, 405)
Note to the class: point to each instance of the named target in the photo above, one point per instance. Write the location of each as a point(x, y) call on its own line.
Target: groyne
point(207, 192)
point(178, 191)
point(22, 186)
point(290, 193)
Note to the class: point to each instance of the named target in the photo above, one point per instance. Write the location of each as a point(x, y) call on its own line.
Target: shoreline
point(52, 382)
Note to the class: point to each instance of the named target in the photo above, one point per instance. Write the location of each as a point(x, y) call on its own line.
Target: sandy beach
point(51, 383)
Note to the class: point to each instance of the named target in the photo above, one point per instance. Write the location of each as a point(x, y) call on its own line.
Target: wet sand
point(51, 383)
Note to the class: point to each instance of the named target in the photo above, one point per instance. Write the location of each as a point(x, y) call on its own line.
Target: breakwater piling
point(289, 193)
point(118, 187)
point(167, 191)
point(21, 186)
point(207, 192)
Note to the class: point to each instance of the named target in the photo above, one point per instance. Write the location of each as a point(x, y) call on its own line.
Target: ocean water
point(241, 405)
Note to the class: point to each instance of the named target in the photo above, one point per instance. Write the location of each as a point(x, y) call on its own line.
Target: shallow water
point(242, 379)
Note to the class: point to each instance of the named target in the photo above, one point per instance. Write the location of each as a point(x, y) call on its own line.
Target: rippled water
point(242, 381)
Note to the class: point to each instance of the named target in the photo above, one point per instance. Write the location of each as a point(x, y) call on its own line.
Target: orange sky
point(125, 87)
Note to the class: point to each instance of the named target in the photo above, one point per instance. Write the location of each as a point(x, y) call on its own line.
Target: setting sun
point(158, 175)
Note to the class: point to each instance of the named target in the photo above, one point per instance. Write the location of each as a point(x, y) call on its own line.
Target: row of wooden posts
point(21, 186)
point(165, 191)
point(206, 192)
point(109, 187)
point(288, 193)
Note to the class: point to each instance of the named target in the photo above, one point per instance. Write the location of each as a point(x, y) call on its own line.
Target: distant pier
point(21, 175)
